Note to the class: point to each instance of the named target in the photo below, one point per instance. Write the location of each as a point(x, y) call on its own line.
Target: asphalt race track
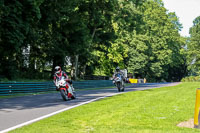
point(20, 111)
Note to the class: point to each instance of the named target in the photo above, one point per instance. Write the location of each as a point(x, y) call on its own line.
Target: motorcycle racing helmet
point(117, 69)
point(57, 69)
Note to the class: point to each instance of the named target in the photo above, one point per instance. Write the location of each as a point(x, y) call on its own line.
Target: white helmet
point(57, 69)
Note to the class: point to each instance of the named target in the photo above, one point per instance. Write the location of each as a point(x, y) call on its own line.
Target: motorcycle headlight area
point(118, 78)
point(62, 84)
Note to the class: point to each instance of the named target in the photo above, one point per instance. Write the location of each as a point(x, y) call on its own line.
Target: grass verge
point(150, 111)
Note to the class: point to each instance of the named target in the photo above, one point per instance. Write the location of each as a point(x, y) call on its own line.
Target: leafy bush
point(191, 79)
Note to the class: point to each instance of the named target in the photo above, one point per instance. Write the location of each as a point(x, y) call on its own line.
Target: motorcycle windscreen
point(118, 75)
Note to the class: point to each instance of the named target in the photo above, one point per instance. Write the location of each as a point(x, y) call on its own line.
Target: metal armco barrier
point(34, 87)
point(197, 110)
point(92, 84)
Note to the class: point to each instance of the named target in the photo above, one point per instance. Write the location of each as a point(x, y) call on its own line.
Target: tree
point(193, 47)
point(16, 21)
point(160, 42)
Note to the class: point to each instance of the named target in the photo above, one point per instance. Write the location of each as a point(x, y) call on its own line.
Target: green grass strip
point(157, 110)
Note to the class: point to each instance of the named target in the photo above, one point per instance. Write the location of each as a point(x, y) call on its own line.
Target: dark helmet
point(117, 69)
point(57, 69)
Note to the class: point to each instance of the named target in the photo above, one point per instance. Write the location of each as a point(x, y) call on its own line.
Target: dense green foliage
point(193, 48)
point(93, 36)
point(156, 110)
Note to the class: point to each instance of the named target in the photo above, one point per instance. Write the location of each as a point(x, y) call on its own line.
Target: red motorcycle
point(66, 90)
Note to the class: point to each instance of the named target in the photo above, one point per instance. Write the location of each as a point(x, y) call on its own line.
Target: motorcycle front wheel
point(63, 94)
point(118, 86)
point(74, 95)
point(123, 88)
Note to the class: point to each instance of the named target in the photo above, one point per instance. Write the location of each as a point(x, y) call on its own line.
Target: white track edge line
point(51, 114)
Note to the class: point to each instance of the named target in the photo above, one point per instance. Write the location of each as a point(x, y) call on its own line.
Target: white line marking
point(51, 114)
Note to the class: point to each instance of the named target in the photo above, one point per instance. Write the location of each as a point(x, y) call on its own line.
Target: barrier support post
point(145, 80)
point(197, 110)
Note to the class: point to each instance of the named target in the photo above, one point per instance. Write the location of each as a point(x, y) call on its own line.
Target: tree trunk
point(76, 67)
